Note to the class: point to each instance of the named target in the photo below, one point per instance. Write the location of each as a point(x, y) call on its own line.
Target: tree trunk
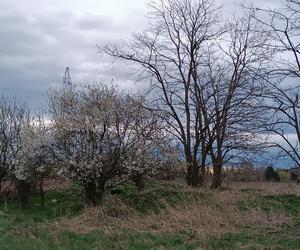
point(202, 174)
point(139, 182)
point(196, 178)
point(42, 193)
point(192, 176)
point(23, 191)
point(91, 194)
point(2, 175)
point(188, 176)
point(217, 175)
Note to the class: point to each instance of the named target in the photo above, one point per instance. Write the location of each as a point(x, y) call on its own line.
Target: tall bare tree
point(283, 28)
point(284, 122)
point(170, 53)
point(203, 78)
point(234, 107)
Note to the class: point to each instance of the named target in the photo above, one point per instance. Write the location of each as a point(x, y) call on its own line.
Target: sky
point(39, 39)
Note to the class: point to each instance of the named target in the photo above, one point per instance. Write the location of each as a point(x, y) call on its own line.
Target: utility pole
point(67, 81)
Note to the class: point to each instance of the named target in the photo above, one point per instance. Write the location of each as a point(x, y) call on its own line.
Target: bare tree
point(203, 78)
point(170, 53)
point(284, 121)
point(283, 28)
point(234, 107)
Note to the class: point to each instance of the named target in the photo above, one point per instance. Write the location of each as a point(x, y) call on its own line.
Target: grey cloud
point(36, 45)
point(34, 50)
point(96, 23)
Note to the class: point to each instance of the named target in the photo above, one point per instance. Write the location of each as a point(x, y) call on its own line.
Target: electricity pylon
point(67, 81)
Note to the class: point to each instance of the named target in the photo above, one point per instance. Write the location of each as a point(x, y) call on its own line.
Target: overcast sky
point(38, 39)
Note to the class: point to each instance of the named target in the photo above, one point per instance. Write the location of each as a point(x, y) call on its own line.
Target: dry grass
point(217, 215)
point(268, 188)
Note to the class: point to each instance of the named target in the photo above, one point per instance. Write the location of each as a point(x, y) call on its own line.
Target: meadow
point(166, 215)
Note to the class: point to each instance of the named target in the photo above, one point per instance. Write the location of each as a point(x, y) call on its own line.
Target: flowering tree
point(100, 136)
point(149, 134)
point(14, 117)
point(34, 160)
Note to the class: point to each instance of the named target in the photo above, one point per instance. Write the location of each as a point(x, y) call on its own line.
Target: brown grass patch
point(217, 215)
point(268, 188)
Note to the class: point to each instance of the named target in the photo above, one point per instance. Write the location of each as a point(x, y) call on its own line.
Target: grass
point(61, 203)
point(254, 240)
point(96, 240)
point(289, 204)
point(164, 216)
point(157, 195)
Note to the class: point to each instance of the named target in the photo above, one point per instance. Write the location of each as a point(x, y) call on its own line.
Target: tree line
point(219, 89)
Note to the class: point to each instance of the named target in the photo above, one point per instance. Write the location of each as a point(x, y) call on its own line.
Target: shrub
point(271, 174)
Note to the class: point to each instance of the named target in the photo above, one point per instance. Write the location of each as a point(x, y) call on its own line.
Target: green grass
point(285, 237)
point(281, 238)
point(29, 228)
point(61, 203)
point(289, 204)
point(156, 195)
point(96, 240)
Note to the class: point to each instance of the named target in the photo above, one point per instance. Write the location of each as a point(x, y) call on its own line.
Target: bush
point(294, 178)
point(271, 174)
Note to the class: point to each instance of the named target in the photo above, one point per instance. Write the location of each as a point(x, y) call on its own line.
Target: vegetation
point(218, 95)
point(155, 219)
point(271, 174)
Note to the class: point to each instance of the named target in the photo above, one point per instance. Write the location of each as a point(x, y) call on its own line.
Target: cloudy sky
point(38, 39)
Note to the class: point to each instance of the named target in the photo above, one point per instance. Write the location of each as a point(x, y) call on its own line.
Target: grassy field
point(164, 216)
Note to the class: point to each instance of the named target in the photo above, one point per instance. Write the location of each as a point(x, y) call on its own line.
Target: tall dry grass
point(268, 188)
point(213, 216)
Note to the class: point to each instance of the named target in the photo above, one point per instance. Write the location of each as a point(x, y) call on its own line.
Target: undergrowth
point(31, 226)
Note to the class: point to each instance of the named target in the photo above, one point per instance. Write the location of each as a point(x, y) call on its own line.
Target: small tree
point(271, 174)
point(99, 134)
point(34, 160)
point(150, 140)
point(294, 178)
point(14, 119)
